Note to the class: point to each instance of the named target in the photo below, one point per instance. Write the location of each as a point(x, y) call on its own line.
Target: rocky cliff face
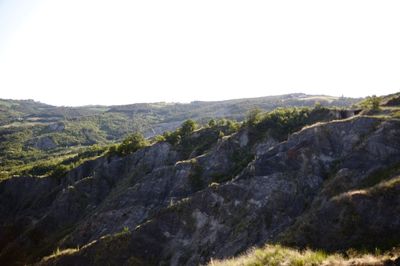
point(331, 185)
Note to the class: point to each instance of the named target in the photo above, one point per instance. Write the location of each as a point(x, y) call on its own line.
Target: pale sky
point(80, 52)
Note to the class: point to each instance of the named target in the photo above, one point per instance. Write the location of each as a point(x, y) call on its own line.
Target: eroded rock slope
point(332, 185)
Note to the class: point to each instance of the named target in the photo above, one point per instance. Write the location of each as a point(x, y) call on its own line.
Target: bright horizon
point(76, 53)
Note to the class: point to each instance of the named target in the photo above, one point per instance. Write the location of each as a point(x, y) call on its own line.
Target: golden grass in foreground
point(277, 255)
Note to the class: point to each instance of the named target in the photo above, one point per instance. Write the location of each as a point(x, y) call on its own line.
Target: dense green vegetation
point(129, 145)
point(371, 102)
point(282, 122)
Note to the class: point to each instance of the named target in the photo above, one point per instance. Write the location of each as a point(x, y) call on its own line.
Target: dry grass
point(380, 187)
point(59, 252)
point(276, 255)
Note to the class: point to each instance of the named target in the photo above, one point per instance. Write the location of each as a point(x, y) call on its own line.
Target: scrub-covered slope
point(32, 133)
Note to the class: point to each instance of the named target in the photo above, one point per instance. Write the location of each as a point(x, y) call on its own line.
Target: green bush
point(184, 131)
point(159, 138)
point(187, 128)
point(131, 144)
point(233, 126)
point(172, 137)
point(253, 116)
point(283, 121)
point(212, 123)
point(371, 102)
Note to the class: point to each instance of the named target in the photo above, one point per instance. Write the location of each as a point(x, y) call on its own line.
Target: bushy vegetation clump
point(225, 126)
point(175, 137)
point(188, 127)
point(192, 140)
point(371, 103)
point(282, 122)
point(254, 116)
point(278, 123)
point(129, 145)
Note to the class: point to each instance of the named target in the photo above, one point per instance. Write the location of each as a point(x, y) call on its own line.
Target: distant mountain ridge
point(11, 110)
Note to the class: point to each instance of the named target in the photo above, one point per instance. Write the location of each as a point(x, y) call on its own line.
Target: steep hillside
point(32, 132)
point(320, 178)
